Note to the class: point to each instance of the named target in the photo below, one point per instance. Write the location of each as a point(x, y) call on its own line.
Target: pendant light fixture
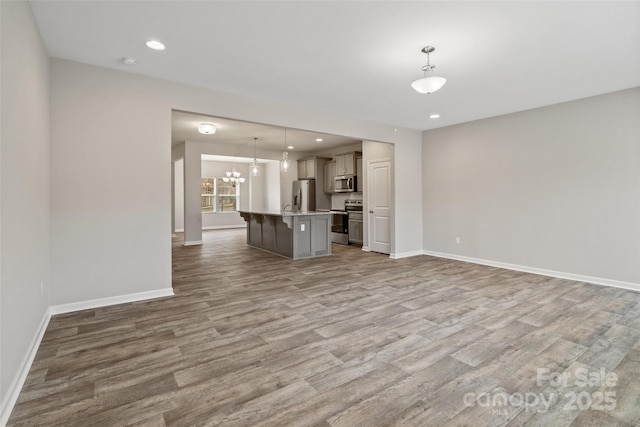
point(429, 83)
point(255, 170)
point(233, 177)
point(284, 163)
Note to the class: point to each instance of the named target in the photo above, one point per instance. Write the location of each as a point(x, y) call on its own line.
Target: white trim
point(18, 382)
point(16, 386)
point(220, 227)
point(193, 243)
point(101, 302)
point(540, 271)
point(392, 214)
point(405, 254)
point(179, 230)
point(366, 249)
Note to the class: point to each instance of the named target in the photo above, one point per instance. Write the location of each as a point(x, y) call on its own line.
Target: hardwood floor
point(354, 339)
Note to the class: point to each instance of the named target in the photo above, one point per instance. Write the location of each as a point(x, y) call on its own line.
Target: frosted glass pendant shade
point(428, 84)
point(284, 163)
point(255, 169)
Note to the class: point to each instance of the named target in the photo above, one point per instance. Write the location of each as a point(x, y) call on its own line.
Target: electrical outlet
point(301, 227)
point(457, 240)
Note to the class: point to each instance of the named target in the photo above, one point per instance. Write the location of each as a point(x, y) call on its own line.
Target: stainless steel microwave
point(345, 184)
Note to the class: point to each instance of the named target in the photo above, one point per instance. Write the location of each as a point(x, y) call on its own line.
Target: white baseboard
point(102, 302)
point(406, 254)
point(540, 271)
point(366, 249)
point(193, 243)
point(16, 386)
point(18, 381)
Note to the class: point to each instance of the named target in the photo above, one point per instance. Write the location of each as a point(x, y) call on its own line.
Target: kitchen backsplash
point(337, 200)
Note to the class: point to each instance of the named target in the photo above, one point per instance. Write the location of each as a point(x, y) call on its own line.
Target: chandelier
point(429, 83)
point(233, 177)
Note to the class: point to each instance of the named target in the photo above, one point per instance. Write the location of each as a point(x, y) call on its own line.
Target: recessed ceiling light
point(319, 140)
point(155, 45)
point(207, 128)
point(129, 61)
point(434, 116)
point(290, 147)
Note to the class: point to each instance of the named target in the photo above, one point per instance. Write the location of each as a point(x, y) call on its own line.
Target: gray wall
point(119, 219)
point(110, 200)
point(24, 169)
point(555, 188)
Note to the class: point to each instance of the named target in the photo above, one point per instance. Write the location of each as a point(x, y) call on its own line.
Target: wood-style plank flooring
point(354, 339)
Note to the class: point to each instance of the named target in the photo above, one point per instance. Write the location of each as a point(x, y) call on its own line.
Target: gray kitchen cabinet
point(307, 168)
point(294, 235)
point(329, 175)
point(345, 164)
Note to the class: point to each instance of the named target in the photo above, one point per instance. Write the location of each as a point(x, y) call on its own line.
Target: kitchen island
point(293, 235)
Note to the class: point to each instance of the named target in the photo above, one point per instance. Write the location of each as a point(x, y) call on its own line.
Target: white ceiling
point(359, 58)
point(230, 159)
point(184, 128)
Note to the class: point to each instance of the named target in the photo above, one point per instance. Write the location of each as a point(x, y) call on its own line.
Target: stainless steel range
point(356, 222)
point(339, 227)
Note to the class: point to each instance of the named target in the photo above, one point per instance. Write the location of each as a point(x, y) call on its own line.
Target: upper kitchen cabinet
point(346, 163)
point(311, 168)
point(329, 177)
point(307, 169)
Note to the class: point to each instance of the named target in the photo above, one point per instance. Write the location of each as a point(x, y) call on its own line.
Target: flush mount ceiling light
point(206, 128)
point(155, 45)
point(429, 83)
point(319, 140)
point(129, 61)
point(434, 116)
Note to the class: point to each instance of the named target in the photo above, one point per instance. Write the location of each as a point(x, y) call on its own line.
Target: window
point(208, 197)
point(219, 196)
point(228, 193)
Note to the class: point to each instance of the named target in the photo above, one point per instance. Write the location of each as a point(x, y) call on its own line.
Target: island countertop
point(286, 213)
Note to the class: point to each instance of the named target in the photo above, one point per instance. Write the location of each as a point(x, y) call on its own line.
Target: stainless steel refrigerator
point(304, 195)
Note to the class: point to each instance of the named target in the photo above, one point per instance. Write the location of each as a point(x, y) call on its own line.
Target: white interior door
point(379, 189)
